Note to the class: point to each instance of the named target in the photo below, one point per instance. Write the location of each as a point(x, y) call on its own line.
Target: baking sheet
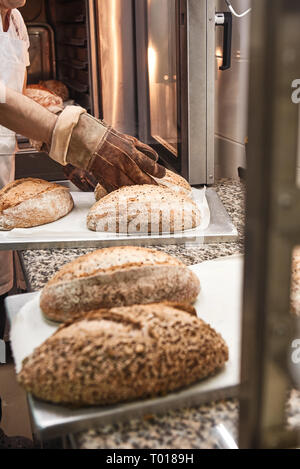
point(71, 231)
point(219, 304)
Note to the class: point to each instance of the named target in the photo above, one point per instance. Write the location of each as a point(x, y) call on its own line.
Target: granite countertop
point(186, 428)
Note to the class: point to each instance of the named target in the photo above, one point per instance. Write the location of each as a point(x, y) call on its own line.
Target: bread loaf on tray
point(144, 209)
point(123, 354)
point(171, 180)
point(117, 276)
point(26, 203)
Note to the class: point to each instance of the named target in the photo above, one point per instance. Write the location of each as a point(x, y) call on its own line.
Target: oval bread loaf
point(123, 354)
point(45, 98)
point(117, 276)
point(171, 180)
point(26, 203)
point(144, 209)
point(57, 87)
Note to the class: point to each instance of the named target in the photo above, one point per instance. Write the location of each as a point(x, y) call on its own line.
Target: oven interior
point(149, 69)
point(59, 49)
point(101, 69)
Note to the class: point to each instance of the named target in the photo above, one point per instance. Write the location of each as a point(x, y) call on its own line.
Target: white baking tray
point(219, 304)
point(71, 231)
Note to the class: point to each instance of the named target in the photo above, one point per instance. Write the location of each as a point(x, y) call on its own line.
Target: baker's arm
point(24, 116)
point(77, 138)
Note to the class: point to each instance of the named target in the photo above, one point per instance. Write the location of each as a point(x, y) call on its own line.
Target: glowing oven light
point(219, 53)
point(152, 63)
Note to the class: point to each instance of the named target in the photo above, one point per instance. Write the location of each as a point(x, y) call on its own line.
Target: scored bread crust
point(170, 180)
point(176, 182)
point(57, 87)
point(30, 202)
point(45, 98)
point(117, 276)
point(144, 209)
point(123, 354)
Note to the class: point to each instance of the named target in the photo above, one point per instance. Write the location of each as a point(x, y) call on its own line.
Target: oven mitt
point(85, 181)
point(114, 159)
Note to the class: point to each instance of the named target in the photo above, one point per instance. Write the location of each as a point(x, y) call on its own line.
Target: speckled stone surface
point(186, 428)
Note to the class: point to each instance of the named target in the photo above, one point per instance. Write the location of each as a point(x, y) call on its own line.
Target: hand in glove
point(85, 181)
point(114, 159)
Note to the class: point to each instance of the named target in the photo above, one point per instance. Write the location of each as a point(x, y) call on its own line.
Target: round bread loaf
point(32, 202)
point(123, 354)
point(37, 86)
point(57, 87)
point(171, 180)
point(49, 100)
point(144, 209)
point(118, 276)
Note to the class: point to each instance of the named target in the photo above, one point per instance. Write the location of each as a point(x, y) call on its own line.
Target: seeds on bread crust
point(123, 354)
point(171, 180)
point(144, 209)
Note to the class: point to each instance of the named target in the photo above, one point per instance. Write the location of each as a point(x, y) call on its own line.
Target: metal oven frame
point(196, 68)
point(272, 227)
point(196, 55)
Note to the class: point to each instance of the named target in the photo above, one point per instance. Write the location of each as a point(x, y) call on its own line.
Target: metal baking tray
point(221, 229)
point(219, 305)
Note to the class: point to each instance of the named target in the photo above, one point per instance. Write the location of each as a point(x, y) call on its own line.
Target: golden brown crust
point(31, 202)
point(108, 260)
point(117, 276)
point(37, 86)
point(23, 189)
point(144, 209)
point(100, 192)
point(45, 98)
point(123, 354)
point(171, 180)
point(57, 87)
point(174, 179)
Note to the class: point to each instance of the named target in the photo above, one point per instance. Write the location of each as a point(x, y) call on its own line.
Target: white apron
point(13, 53)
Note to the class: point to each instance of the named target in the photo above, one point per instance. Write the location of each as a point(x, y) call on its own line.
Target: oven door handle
point(225, 20)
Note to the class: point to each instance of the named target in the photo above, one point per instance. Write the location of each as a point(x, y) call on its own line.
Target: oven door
point(175, 42)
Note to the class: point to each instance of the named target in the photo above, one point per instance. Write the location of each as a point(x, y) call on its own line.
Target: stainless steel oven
point(156, 73)
point(148, 68)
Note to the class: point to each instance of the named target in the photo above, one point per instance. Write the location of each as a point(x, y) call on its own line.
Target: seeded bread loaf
point(32, 202)
point(117, 276)
point(123, 354)
point(171, 180)
point(144, 209)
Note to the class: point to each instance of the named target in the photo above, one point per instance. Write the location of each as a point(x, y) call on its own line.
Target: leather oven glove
point(85, 181)
point(114, 159)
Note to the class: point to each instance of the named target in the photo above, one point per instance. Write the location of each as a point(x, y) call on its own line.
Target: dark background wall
point(34, 11)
